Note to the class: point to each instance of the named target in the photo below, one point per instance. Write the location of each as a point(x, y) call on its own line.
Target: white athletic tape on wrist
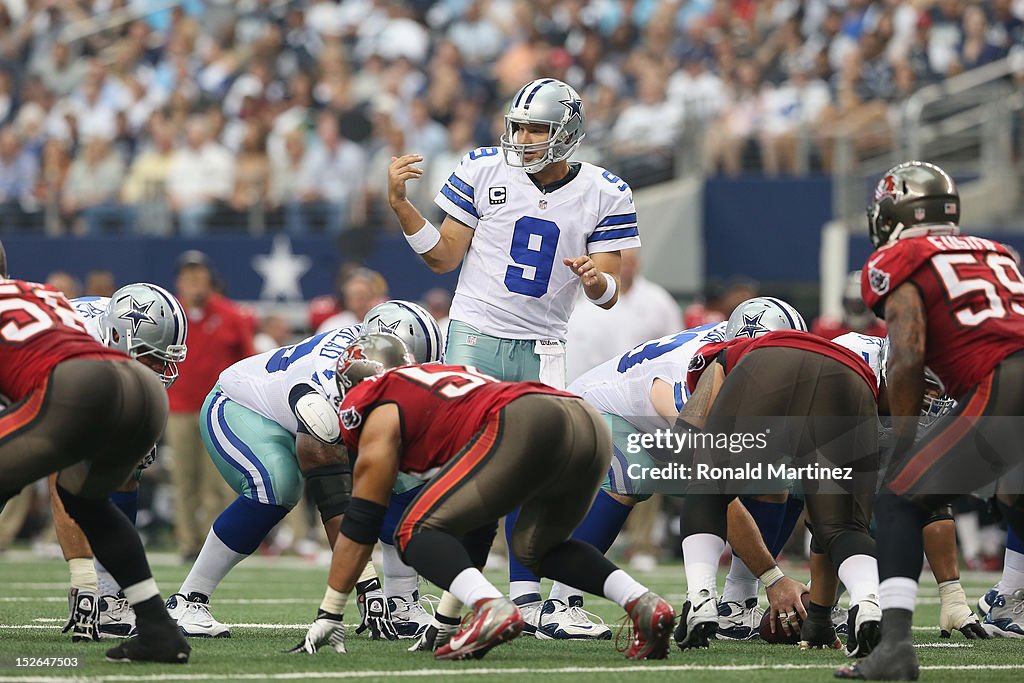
point(424, 239)
point(334, 601)
point(771, 577)
point(609, 291)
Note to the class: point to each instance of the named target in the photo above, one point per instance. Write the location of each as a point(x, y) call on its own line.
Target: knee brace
point(331, 489)
point(942, 514)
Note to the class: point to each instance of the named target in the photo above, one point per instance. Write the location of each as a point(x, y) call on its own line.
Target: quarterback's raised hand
point(327, 629)
point(585, 269)
point(401, 170)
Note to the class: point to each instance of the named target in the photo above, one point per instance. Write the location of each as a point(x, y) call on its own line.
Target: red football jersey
point(973, 296)
point(791, 339)
point(442, 407)
point(38, 330)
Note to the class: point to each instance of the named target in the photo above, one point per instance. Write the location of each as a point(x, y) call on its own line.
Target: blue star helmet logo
point(575, 108)
point(138, 314)
point(388, 328)
point(752, 326)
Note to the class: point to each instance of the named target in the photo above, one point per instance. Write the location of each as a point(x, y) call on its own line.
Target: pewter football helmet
point(367, 356)
point(411, 323)
point(761, 315)
point(547, 102)
point(146, 320)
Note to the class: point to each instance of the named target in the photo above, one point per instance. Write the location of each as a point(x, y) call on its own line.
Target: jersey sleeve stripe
point(460, 201)
point(618, 219)
point(617, 234)
point(461, 185)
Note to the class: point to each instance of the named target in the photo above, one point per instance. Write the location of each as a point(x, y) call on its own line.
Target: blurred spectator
point(99, 283)
point(333, 169)
point(438, 302)
point(200, 175)
point(219, 334)
point(719, 301)
point(476, 36)
point(252, 175)
point(857, 317)
point(789, 110)
point(274, 333)
point(65, 283)
point(362, 292)
point(18, 172)
point(60, 70)
point(326, 305)
point(94, 180)
point(975, 48)
point(145, 189)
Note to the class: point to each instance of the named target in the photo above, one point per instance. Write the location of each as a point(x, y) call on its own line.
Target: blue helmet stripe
point(424, 327)
point(526, 104)
point(785, 311)
point(174, 311)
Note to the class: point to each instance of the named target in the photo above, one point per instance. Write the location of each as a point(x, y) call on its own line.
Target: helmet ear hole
point(114, 336)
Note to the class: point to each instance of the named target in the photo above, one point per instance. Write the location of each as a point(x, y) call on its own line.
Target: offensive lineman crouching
point(475, 438)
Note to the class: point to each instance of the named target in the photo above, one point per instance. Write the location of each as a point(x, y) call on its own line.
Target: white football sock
point(859, 573)
point(968, 535)
point(621, 588)
point(107, 584)
point(449, 606)
point(83, 574)
point(470, 586)
point(740, 584)
point(561, 591)
point(701, 553)
point(1013, 572)
point(399, 578)
point(213, 564)
point(897, 592)
point(517, 589)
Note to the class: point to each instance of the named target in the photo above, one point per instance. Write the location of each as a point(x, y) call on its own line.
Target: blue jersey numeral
point(659, 347)
point(482, 152)
point(615, 180)
point(286, 355)
point(534, 241)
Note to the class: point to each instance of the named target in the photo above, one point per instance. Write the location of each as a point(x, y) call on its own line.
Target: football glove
point(327, 629)
point(374, 613)
point(956, 615)
point(438, 633)
point(84, 617)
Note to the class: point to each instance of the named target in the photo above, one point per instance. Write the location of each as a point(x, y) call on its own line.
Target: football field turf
point(270, 601)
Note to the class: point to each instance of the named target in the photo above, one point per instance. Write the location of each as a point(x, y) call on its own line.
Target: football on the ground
point(780, 636)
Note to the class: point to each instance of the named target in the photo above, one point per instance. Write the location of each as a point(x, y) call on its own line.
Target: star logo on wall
point(137, 314)
point(752, 326)
point(281, 270)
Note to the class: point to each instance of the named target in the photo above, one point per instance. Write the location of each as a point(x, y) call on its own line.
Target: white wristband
point(609, 291)
point(771, 577)
point(334, 601)
point(424, 239)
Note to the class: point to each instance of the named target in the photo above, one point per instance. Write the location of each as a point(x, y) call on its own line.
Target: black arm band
point(363, 521)
point(331, 489)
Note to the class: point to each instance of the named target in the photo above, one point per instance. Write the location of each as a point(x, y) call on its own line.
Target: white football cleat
point(1006, 618)
point(408, 615)
point(530, 611)
point(698, 621)
point(193, 616)
point(865, 627)
point(739, 622)
point(558, 621)
point(117, 618)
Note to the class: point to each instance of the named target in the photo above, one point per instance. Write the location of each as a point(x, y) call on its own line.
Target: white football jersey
point(867, 347)
point(263, 382)
point(513, 283)
point(622, 386)
point(90, 308)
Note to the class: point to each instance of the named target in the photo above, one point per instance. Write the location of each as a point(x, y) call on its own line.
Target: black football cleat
point(170, 648)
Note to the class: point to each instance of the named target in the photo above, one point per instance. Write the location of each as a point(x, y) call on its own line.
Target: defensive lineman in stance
point(529, 228)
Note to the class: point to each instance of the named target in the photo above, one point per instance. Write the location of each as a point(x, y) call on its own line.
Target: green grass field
point(270, 601)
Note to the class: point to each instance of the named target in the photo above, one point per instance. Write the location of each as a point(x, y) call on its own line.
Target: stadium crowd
point(271, 114)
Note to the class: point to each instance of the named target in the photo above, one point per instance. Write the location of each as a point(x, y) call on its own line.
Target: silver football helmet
point(412, 324)
point(145, 320)
point(367, 356)
point(935, 403)
point(761, 315)
point(547, 102)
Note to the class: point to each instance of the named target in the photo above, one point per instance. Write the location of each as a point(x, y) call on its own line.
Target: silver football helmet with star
point(144, 320)
point(761, 315)
point(547, 102)
point(409, 322)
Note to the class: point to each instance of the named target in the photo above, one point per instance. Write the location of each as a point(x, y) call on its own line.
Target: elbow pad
point(315, 413)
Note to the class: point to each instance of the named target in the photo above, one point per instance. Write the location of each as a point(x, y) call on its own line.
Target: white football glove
point(327, 629)
point(956, 614)
point(374, 612)
point(319, 417)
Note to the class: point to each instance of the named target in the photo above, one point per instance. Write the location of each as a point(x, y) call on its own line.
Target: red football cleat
point(653, 619)
point(496, 620)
